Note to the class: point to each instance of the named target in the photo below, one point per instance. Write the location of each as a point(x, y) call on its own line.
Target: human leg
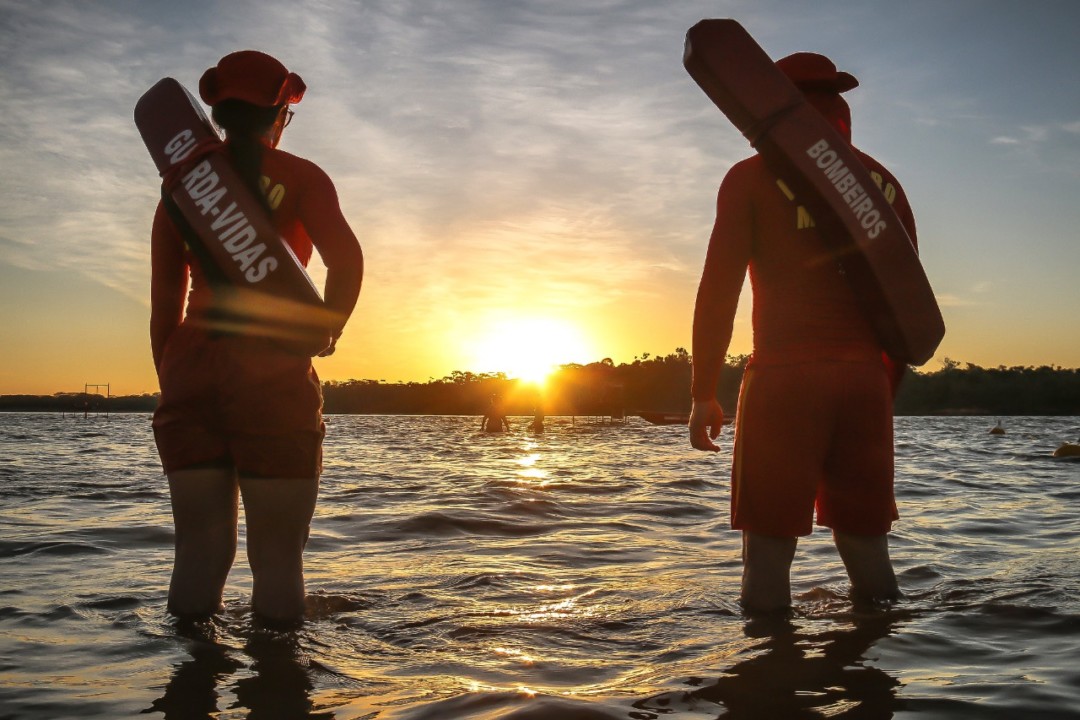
point(278, 514)
point(869, 568)
point(775, 473)
point(273, 408)
point(204, 506)
point(857, 500)
point(766, 579)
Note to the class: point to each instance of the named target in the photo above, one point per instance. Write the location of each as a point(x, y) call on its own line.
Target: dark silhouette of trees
point(78, 403)
point(460, 393)
point(973, 390)
point(648, 383)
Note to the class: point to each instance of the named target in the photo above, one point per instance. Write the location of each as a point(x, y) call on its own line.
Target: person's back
point(239, 413)
point(817, 385)
point(303, 205)
point(803, 307)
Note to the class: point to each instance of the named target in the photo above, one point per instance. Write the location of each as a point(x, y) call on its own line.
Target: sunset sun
point(528, 348)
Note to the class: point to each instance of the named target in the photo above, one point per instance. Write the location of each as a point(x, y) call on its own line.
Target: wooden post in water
point(97, 391)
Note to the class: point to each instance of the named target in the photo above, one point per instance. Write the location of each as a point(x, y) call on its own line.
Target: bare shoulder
point(748, 168)
point(745, 178)
point(299, 166)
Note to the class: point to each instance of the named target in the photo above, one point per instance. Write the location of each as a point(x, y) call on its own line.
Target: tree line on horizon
point(650, 383)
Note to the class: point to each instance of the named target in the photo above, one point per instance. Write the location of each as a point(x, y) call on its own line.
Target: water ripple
point(584, 573)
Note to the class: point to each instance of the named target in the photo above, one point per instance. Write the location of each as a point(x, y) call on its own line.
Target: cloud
point(1028, 135)
point(438, 123)
point(76, 200)
point(978, 294)
point(947, 300)
point(462, 143)
point(1036, 134)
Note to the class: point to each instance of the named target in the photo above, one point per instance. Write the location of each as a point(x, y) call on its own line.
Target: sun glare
point(528, 349)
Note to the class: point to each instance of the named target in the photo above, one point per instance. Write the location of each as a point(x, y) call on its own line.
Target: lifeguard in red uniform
point(239, 414)
point(814, 424)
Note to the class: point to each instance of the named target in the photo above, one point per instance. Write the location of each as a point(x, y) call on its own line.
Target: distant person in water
point(495, 418)
point(814, 425)
point(240, 415)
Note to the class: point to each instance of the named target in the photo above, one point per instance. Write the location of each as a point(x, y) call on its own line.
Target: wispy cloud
point(975, 296)
point(440, 121)
point(70, 195)
point(947, 300)
point(1036, 134)
point(551, 155)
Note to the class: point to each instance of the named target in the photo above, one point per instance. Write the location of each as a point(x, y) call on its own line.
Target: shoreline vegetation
point(648, 384)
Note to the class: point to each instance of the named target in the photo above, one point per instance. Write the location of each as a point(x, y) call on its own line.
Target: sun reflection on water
point(515, 654)
point(528, 460)
point(569, 608)
point(529, 474)
point(554, 588)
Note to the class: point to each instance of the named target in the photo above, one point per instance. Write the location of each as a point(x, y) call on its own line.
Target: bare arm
point(717, 300)
point(168, 283)
point(339, 249)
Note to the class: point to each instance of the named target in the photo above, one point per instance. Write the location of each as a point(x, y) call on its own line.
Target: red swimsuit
point(233, 399)
point(815, 413)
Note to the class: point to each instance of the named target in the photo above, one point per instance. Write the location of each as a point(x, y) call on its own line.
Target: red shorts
point(240, 402)
point(814, 434)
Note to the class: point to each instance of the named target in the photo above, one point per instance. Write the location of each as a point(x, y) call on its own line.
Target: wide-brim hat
point(811, 71)
point(253, 77)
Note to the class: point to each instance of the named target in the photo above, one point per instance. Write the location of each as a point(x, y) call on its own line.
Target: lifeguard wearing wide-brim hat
point(238, 412)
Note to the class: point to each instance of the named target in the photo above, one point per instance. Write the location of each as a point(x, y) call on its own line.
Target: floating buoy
point(1068, 450)
point(997, 429)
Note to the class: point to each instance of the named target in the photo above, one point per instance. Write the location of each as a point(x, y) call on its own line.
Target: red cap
point(810, 71)
point(253, 77)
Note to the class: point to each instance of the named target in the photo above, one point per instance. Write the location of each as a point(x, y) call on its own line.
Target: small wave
point(535, 508)
point(673, 509)
point(60, 548)
point(586, 486)
point(478, 580)
point(522, 705)
point(9, 611)
point(690, 484)
point(323, 605)
point(118, 602)
point(60, 612)
point(445, 524)
point(135, 536)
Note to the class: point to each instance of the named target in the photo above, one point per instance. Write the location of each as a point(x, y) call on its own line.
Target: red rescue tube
point(800, 146)
point(269, 291)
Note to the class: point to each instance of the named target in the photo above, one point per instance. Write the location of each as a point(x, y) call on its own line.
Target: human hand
point(330, 349)
point(706, 419)
point(311, 342)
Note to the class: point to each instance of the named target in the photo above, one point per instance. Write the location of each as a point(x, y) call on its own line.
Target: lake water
point(588, 572)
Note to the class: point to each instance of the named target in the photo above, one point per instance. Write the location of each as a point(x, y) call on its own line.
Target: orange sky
point(507, 167)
